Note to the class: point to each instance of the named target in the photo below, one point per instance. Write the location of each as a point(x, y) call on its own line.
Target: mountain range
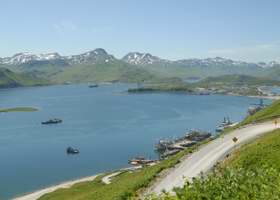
point(98, 65)
point(101, 56)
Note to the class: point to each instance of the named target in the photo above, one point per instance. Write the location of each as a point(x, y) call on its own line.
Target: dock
point(167, 148)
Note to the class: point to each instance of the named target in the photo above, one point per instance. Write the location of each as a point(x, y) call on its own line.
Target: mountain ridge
point(136, 58)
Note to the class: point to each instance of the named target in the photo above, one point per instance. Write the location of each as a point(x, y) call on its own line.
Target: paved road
point(203, 159)
point(107, 179)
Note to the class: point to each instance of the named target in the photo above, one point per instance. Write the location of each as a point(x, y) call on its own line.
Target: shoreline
point(67, 184)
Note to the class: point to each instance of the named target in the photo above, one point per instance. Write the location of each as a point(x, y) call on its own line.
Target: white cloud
point(254, 53)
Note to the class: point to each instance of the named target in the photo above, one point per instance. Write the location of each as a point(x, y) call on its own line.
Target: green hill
point(237, 80)
point(268, 113)
point(10, 79)
point(103, 72)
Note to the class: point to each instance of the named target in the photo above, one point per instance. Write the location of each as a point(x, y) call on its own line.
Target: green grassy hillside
point(113, 71)
point(268, 113)
point(183, 71)
point(9, 78)
point(237, 80)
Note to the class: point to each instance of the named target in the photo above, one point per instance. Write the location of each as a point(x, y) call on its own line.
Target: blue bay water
point(108, 126)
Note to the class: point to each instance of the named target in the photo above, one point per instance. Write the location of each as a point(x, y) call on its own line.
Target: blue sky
point(239, 29)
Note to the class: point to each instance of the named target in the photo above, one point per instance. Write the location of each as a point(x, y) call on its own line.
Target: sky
point(245, 30)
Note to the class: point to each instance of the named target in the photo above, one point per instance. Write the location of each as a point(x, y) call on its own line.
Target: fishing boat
point(52, 121)
point(71, 150)
point(93, 85)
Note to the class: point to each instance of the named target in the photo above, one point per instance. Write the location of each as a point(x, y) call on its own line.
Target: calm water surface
point(106, 124)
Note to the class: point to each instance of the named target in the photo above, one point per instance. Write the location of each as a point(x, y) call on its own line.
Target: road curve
point(205, 158)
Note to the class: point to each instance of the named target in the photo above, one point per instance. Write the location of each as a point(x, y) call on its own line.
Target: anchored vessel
point(93, 86)
point(71, 150)
point(52, 121)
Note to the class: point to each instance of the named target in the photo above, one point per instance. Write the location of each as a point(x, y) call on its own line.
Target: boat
point(256, 107)
point(163, 145)
point(71, 150)
point(225, 124)
point(140, 160)
point(52, 121)
point(93, 86)
point(196, 135)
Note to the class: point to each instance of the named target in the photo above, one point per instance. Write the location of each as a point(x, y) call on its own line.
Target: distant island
point(235, 84)
point(18, 109)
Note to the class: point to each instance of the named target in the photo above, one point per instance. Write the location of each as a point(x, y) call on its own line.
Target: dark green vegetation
point(19, 109)
point(10, 79)
point(252, 172)
point(122, 187)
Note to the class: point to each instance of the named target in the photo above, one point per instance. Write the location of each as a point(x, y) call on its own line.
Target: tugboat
point(52, 121)
point(71, 150)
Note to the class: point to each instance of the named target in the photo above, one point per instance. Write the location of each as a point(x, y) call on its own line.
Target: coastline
point(67, 184)
point(39, 193)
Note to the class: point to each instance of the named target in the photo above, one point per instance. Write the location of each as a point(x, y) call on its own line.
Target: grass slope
point(236, 80)
point(270, 112)
point(113, 71)
point(9, 78)
point(183, 71)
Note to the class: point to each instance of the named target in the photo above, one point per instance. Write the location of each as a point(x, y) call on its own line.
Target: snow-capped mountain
point(143, 59)
point(99, 55)
point(137, 58)
point(272, 64)
point(92, 57)
point(23, 58)
point(217, 61)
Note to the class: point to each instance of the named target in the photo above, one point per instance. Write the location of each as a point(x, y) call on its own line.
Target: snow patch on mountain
point(137, 58)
